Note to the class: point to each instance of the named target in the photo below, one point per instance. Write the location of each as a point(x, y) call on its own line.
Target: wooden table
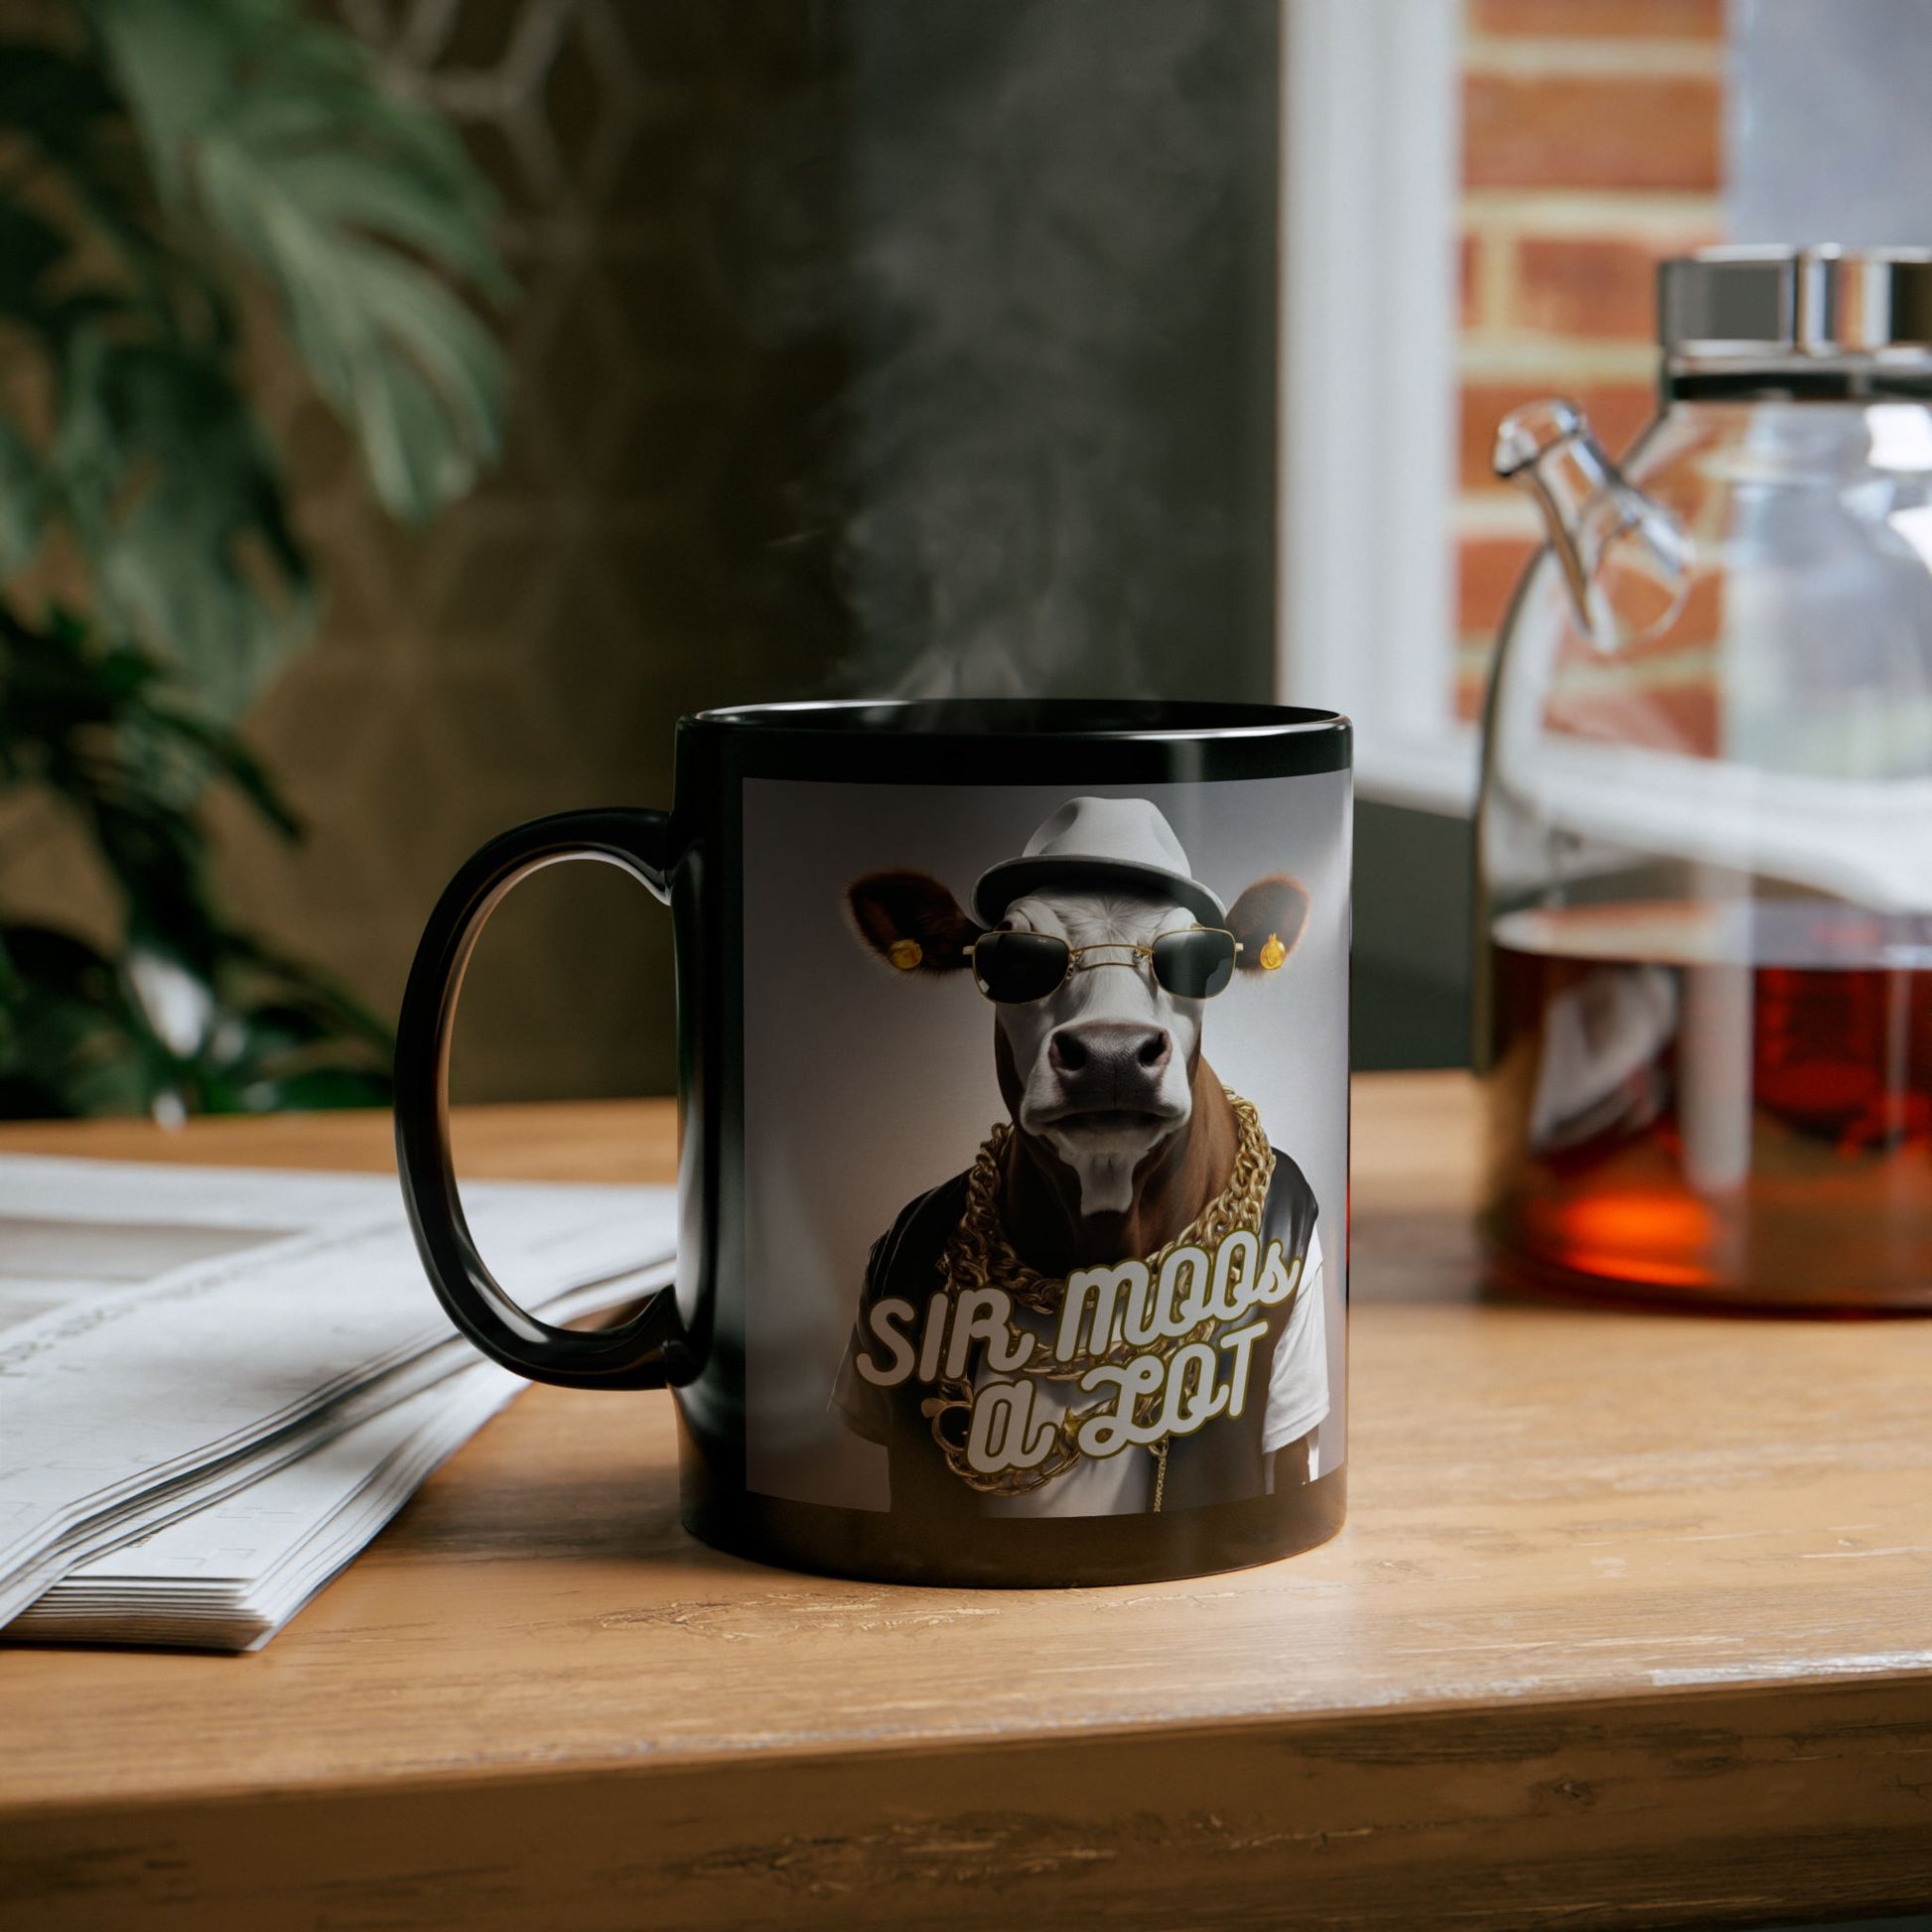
point(1631, 1626)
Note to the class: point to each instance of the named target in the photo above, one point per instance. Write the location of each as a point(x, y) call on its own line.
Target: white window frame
point(1371, 170)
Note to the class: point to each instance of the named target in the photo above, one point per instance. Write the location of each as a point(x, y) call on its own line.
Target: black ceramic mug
point(1013, 1070)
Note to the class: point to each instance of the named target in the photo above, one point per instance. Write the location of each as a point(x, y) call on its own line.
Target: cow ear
point(910, 921)
point(1267, 919)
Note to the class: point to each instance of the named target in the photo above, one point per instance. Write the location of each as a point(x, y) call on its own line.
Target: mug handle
point(631, 1357)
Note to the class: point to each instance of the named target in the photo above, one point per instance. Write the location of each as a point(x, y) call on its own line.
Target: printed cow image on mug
point(1106, 1290)
point(1125, 1247)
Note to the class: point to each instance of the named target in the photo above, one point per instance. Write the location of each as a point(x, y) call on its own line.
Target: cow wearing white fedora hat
point(1128, 1264)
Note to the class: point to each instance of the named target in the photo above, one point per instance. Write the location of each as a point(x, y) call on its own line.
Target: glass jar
point(1704, 837)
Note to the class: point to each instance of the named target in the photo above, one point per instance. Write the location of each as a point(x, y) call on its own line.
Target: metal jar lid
point(1778, 304)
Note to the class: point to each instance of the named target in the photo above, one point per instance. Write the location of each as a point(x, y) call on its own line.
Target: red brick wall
point(1592, 148)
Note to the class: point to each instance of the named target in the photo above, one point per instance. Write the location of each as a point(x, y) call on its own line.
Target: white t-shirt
point(1123, 1484)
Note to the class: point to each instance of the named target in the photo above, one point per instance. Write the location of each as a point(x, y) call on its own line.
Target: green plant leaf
point(66, 111)
point(29, 250)
point(178, 503)
point(22, 500)
point(68, 1047)
point(228, 758)
point(52, 98)
point(358, 207)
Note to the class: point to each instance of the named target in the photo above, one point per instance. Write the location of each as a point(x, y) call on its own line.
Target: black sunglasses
point(1014, 968)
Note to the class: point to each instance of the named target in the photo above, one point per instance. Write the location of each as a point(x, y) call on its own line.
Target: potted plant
point(171, 173)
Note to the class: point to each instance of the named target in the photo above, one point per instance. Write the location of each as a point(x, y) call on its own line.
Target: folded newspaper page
point(229, 1574)
point(171, 1337)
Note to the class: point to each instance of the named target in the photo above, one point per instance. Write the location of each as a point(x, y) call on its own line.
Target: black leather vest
point(1221, 1461)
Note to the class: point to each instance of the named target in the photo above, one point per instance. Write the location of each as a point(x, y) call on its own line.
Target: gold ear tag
point(1273, 953)
point(905, 954)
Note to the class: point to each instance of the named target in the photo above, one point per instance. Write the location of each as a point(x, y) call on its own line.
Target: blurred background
point(718, 351)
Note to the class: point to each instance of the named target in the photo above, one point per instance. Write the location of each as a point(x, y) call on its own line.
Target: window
point(1475, 196)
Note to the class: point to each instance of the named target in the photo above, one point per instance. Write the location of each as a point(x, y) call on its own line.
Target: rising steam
point(1046, 198)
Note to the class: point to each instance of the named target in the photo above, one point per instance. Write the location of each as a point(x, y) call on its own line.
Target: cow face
point(1100, 1069)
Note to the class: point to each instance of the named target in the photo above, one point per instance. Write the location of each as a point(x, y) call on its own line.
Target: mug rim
point(1099, 721)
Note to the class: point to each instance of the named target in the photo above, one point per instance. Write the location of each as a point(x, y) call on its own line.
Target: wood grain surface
point(1630, 1625)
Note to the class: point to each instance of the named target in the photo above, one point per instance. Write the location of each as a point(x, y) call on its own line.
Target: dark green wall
point(1412, 938)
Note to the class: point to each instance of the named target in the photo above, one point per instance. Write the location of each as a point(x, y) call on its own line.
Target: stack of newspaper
point(215, 1386)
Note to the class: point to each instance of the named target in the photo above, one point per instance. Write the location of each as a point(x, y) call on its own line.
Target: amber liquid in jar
point(1725, 1104)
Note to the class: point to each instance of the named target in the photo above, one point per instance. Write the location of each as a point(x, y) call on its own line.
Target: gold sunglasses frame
point(1074, 955)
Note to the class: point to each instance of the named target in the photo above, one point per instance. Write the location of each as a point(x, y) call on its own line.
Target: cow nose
point(1099, 1048)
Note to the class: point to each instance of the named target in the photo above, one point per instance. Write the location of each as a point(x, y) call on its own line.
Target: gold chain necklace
point(979, 1255)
